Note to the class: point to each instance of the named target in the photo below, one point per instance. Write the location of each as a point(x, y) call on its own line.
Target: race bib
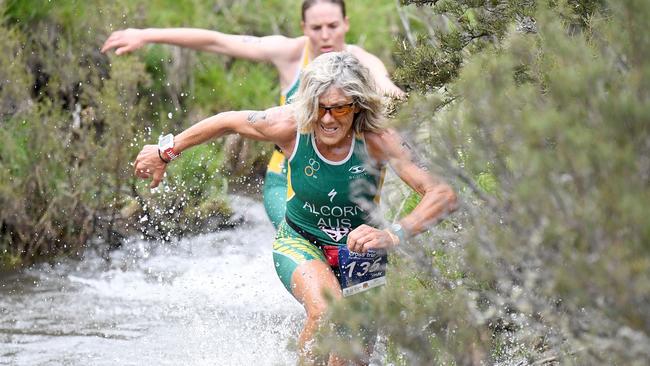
point(361, 271)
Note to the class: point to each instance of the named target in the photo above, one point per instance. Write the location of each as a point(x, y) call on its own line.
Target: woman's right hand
point(124, 41)
point(148, 164)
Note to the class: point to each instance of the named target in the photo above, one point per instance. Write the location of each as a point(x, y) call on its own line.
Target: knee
point(316, 311)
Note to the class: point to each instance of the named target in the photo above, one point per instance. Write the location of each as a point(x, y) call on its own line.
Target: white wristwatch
point(399, 232)
point(166, 150)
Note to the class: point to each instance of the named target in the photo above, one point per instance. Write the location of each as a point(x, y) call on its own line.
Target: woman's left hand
point(367, 237)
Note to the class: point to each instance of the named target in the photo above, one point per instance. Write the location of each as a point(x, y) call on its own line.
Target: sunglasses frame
point(349, 107)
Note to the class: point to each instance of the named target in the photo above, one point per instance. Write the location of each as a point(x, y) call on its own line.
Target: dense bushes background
point(544, 130)
point(73, 119)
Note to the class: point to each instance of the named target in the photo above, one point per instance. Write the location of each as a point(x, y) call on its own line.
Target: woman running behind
point(324, 25)
point(337, 148)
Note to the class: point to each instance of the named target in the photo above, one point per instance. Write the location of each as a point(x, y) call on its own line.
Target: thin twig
point(405, 23)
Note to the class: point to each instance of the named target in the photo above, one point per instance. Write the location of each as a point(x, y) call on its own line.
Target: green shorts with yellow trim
point(290, 250)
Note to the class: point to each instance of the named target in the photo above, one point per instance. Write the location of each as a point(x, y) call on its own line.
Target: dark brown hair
point(306, 4)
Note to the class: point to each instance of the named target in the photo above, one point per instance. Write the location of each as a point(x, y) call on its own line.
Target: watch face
point(398, 231)
point(165, 142)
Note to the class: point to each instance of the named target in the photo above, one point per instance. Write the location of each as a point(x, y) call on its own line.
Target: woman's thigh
point(312, 282)
point(301, 266)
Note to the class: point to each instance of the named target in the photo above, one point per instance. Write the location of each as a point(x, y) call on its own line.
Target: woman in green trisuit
point(338, 149)
point(324, 24)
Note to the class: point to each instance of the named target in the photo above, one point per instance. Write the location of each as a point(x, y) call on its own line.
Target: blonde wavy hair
point(340, 70)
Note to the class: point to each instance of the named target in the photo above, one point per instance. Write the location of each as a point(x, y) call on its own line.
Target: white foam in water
point(209, 300)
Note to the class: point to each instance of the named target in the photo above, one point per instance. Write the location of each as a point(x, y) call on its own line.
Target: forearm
point(436, 202)
point(150, 163)
point(434, 205)
point(198, 39)
point(386, 87)
point(240, 122)
point(205, 130)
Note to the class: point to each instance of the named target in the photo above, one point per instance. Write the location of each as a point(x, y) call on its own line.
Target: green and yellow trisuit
point(326, 200)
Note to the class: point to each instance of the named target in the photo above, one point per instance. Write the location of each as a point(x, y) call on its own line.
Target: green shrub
point(547, 258)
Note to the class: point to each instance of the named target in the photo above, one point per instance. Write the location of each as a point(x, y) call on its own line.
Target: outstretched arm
point(275, 125)
point(267, 48)
point(378, 72)
point(438, 198)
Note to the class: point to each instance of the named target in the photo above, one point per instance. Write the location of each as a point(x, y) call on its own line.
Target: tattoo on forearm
point(406, 146)
point(415, 157)
point(255, 116)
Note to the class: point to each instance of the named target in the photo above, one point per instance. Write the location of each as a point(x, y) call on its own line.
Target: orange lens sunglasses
point(336, 111)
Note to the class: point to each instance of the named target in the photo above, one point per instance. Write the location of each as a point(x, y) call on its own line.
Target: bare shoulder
point(365, 57)
point(278, 123)
point(355, 50)
point(281, 115)
point(286, 49)
point(384, 144)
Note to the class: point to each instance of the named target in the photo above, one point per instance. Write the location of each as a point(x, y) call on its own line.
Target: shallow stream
point(213, 299)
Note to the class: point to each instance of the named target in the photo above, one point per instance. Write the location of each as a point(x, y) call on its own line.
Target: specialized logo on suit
point(332, 194)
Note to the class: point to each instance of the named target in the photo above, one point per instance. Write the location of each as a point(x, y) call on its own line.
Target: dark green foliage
point(445, 32)
point(416, 69)
point(547, 260)
point(580, 12)
point(449, 31)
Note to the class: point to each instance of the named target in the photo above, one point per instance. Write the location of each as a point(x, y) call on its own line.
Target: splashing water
point(209, 300)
